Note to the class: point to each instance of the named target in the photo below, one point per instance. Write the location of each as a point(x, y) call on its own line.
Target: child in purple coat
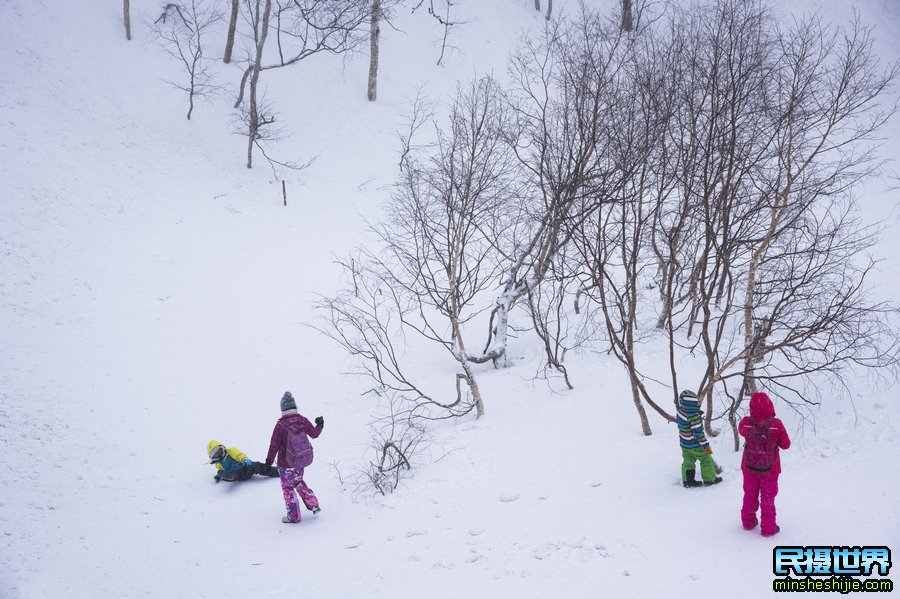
point(290, 441)
point(765, 435)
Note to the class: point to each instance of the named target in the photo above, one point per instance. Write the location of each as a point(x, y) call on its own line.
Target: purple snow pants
point(292, 485)
point(759, 492)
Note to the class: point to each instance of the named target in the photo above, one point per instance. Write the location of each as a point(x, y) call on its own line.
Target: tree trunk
point(473, 387)
point(636, 396)
point(232, 26)
point(549, 9)
point(537, 5)
point(127, 9)
point(254, 79)
point(374, 33)
point(627, 17)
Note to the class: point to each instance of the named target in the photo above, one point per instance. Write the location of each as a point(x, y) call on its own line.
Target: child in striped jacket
point(694, 446)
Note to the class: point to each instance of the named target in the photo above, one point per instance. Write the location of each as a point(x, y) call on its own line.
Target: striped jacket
point(690, 423)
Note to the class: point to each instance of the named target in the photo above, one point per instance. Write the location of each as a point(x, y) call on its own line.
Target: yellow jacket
point(234, 459)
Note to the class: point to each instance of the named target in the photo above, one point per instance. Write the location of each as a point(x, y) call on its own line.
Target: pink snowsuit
point(292, 483)
point(760, 488)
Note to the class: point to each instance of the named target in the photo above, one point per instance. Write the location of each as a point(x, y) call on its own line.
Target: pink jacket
point(761, 409)
point(279, 435)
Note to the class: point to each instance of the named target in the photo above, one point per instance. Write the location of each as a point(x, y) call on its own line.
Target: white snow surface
point(155, 294)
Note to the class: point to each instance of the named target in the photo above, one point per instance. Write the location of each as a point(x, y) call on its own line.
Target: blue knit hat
point(287, 402)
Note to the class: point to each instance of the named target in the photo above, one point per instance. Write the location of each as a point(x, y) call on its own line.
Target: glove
point(218, 478)
point(320, 422)
point(708, 450)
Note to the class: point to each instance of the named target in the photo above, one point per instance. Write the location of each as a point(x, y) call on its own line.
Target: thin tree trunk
point(627, 18)
point(254, 79)
point(447, 25)
point(549, 9)
point(473, 387)
point(537, 5)
point(232, 26)
point(374, 34)
point(636, 396)
point(127, 9)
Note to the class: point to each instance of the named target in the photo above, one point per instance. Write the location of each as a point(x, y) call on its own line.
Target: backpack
point(759, 449)
point(298, 451)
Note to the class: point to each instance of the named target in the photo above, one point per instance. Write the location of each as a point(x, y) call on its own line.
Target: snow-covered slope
point(155, 294)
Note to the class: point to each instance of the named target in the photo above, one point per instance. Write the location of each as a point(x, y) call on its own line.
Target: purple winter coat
point(761, 409)
point(279, 435)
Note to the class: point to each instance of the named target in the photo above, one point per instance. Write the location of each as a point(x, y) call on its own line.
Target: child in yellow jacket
point(232, 464)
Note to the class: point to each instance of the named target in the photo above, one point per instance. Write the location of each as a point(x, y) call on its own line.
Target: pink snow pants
point(292, 485)
point(759, 492)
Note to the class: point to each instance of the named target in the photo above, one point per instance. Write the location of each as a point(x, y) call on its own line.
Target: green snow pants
point(707, 467)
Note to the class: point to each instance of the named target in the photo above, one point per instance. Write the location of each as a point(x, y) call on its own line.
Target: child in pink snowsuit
point(291, 462)
point(765, 435)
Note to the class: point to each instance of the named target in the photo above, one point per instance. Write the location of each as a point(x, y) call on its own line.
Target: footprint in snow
point(416, 533)
point(510, 497)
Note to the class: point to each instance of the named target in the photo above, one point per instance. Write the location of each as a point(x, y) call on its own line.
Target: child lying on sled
point(233, 465)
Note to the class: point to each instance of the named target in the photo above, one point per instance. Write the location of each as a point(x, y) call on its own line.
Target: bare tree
point(126, 7)
point(827, 100)
point(397, 438)
point(722, 104)
point(374, 34)
point(550, 308)
point(759, 257)
point(442, 16)
point(615, 258)
point(181, 29)
point(368, 321)
point(627, 16)
point(446, 22)
point(380, 11)
point(255, 119)
point(302, 29)
point(700, 178)
point(436, 262)
point(232, 27)
point(562, 102)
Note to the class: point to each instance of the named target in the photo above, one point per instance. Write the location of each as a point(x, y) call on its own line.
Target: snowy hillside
point(156, 294)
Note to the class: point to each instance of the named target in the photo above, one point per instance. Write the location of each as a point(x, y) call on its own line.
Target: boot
point(777, 530)
point(264, 470)
point(690, 480)
point(716, 481)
